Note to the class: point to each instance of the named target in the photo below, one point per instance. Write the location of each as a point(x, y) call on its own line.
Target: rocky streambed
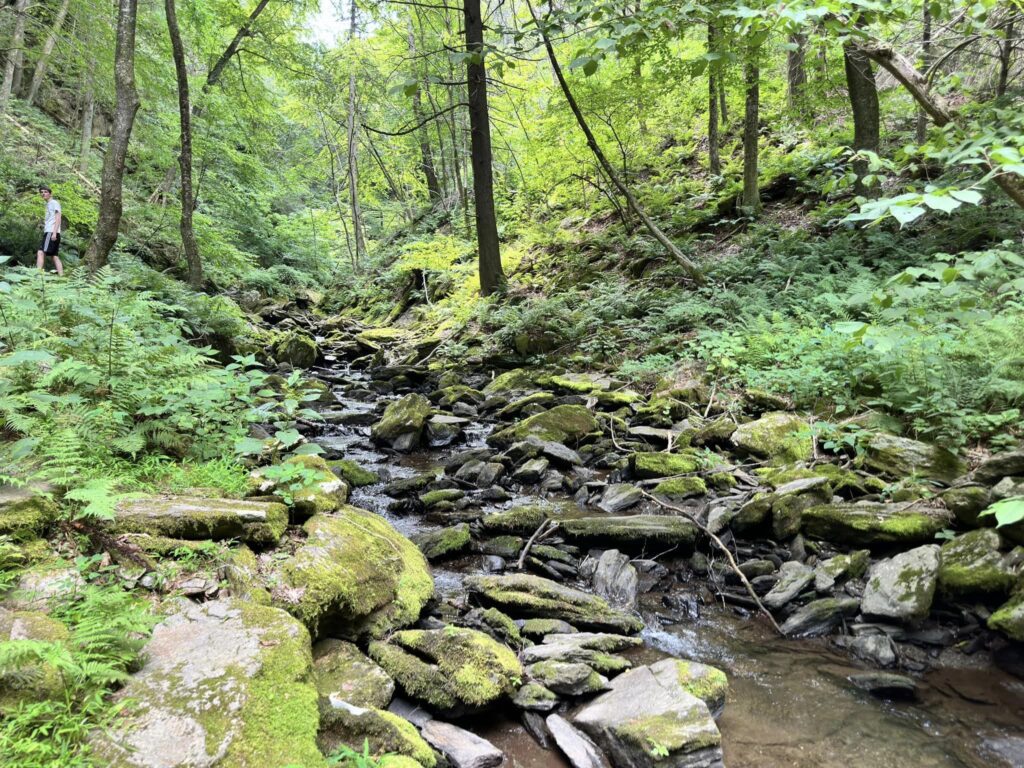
point(512, 568)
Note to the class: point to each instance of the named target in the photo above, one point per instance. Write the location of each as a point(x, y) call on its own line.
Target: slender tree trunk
point(14, 55)
point(88, 112)
point(714, 160)
point(44, 56)
point(1005, 59)
point(638, 76)
point(492, 276)
point(860, 82)
point(353, 165)
point(796, 71)
point(426, 158)
point(926, 62)
point(750, 198)
point(690, 268)
point(188, 236)
point(723, 102)
point(127, 104)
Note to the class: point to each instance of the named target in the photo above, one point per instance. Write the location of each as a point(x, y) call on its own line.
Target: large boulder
point(344, 673)
point(308, 485)
point(902, 587)
point(566, 424)
point(650, 465)
point(225, 684)
point(353, 575)
point(631, 530)
point(191, 517)
point(516, 380)
point(403, 423)
point(30, 680)
point(296, 348)
point(24, 515)
point(973, 567)
point(447, 542)
point(900, 457)
point(1009, 619)
point(524, 595)
point(453, 670)
point(871, 523)
point(779, 436)
point(651, 718)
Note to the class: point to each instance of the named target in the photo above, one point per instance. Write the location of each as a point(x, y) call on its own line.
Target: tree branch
point(420, 124)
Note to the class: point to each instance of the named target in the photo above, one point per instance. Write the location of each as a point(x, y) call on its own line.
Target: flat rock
point(619, 497)
point(885, 685)
point(462, 748)
point(902, 587)
point(342, 671)
point(574, 744)
point(819, 617)
point(196, 518)
point(901, 457)
point(793, 579)
point(631, 530)
point(871, 523)
point(994, 468)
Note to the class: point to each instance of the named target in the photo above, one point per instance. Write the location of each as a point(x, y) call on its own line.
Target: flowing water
point(790, 704)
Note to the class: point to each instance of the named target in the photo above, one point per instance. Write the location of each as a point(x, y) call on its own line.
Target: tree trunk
point(126, 105)
point(638, 74)
point(934, 104)
point(714, 160)
point(796, 71)
point(353, 167)
point(426, 158)
point(926, 62)
point(750, 198)
point(14, 55)
point(860, 82)
point(492, 276)
point(723, 102)
point(1005, 59)
point(188, 236)
point(688, 266)
point(88, 112)
point(44, 56)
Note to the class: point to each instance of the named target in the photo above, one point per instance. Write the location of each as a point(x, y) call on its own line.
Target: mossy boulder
point(524, 595)
point(901, 457)
point(569, 678)
point(538, 628)
point(579, 383)
point(311, 488)
point(453, 670)
point(31, 681)
point(631, 530)
point(516, 406)
point(384, 733)
point(521, 519)
point(902, 587)
point(534, 697)
point(780, 437)
point(257, 523)
point(843, 482)
point(448, 396)
point(403, 423)
point(875, 523)
point(1009, 619)
point(652, 465)
point(344, 673)
point(385, 335)
point(24, 516)
point(566, 424)
point(225, 683)
point(662, 410)
point(296, 348)
point(973, 567)
point(447, 542)
point(353, 575)
point(355, 475)
point(517, 380)
point(709, 684)
point(433, 498)
point(840, 568)
point(242, 573)
point(967, 502)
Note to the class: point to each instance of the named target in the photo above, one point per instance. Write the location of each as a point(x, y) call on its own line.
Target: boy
point(51, 231)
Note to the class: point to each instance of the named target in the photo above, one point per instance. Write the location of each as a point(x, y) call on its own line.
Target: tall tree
point(714, 160)
point(926, 62)
point(426, 156)
point(860, 83)
point(492, 276)
point(14, 54)
point(44, 55)
point(125, 107)
point(353, 158)
point(750, 197)
point(796, 70)
point(188, 236)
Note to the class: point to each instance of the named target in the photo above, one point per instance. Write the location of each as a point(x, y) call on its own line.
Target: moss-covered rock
point(296, 348)
point(507, 547)
point(679, 488)
point(840, 568)
point(30, 681)
point(973, 567)
point(355, 475)
point(566, 424)
point(447, 542)
point(23, 516)
point(966, 503)
point(662, 410)
point(345, 724)
point(344, 673)
point(453, 670)
point(433, 498)
point(523, 519)
point(534, 697)
point(403, 423)
point(314, 489)
point(844, 482)
point(186, 517)
point(631, 530)
point(516, 406)
point(901, 457)
point(1009, 619)
point(524, 595)
point(780, 437)
point(538, 628)
point(243, 576)
point(353, 575)
point(874, 523)
point(709, 684)
point(569, 678)
point(448, 396)
point(225, 683)
point(517, 380)
point(650, 465)
point(902, 587)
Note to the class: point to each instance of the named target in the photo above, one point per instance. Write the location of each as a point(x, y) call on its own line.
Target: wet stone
point(462, 748)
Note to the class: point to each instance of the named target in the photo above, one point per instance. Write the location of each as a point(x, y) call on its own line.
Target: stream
point(790, 703)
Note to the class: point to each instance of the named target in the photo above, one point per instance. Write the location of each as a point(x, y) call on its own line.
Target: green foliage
point(1007, 512)
point(350, 758)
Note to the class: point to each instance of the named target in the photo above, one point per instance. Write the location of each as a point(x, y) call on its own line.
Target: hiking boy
point(51, 231)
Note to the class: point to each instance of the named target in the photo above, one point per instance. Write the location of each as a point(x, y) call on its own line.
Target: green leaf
point(29, 356)
point(943, 203)
point(1007, 511)
point(969, 196)
point(249, 446)
point(905, 215)
point(288, 437)
point(308, 449)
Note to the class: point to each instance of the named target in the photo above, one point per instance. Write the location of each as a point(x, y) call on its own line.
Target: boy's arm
point(56, 222)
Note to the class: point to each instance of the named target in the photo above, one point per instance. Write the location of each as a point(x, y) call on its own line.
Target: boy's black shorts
point(50, 244)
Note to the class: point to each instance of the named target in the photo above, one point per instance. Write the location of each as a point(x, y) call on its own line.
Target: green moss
point(722, 481)
point(504, 627)
point(579, 385)
point(383, 731)
point(1009, 619)
point(546, 552)
point(561, 424)
point(432, 498)
point(780, 437)
point(525, 519)
point(617, 398)
point(503, 546)
point(243, 576)
point(679, 488)
point(403, 420)
point(342, 670)
point(542, 627)
point(537, 398)
point(200, 518)
point(511, 381)
point(457, 393)
point(673, 731)
point(841, 480)
point(295, 348)
point(534, 696)
point(966, 502)
point(873, 523)
point(708, 684)
point(971, 566)
point(662, 411)
point(632, 529)
point(385, 334)
point(608, 663)
point(322, 491)
point(30, 682)
point(444, 543)
point(649, 465)
point(27, 518)
point(354, 474)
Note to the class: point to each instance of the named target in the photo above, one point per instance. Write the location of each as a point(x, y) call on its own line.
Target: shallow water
point(790, 705)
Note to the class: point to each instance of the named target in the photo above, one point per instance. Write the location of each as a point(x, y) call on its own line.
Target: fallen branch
point(543, 531)
point(725, 550)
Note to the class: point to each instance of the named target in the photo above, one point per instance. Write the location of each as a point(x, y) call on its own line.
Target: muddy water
point(790, 704)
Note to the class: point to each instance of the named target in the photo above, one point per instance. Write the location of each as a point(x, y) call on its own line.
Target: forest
point(590, 384)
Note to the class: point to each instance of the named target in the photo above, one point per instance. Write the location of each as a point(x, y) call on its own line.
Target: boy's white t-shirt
point(52, 209)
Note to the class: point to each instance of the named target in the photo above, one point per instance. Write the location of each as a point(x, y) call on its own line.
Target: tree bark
point(1005, 58)
point(688, 266)
point(934, 104)
point(88, 112)
point(750, 197)
point(243, 32)
point(126, 105)
point(714, 159)
point(14, 55)
point(723, 102)
point(492, 276)
point(926, 62)
point(44, 55)
point(860, 83)
point(188, 236)
point(426, 157)
point(353, 166)
point(796, 71)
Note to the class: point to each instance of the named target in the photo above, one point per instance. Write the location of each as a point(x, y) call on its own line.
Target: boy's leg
point(58, 265)
point(39, 259)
